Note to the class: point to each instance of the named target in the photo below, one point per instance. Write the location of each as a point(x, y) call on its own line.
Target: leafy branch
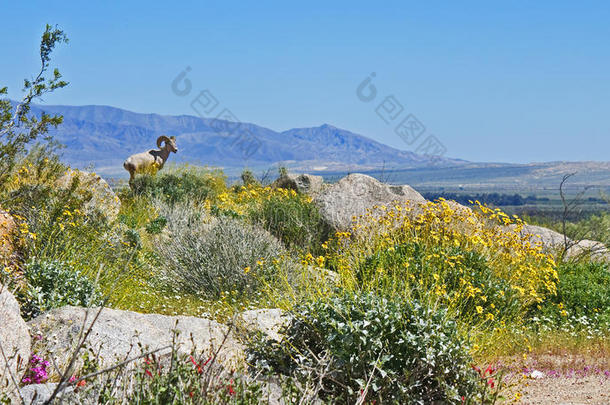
point(18, 127)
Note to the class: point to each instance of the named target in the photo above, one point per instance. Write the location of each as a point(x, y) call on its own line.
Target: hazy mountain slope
point(104, 136)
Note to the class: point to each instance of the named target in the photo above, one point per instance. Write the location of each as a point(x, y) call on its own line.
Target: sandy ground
point(561, 379)
point(563, 390)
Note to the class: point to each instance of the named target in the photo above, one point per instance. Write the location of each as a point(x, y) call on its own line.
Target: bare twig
point(365, 391)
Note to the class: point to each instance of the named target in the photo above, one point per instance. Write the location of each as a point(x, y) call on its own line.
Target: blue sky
point(519, 81)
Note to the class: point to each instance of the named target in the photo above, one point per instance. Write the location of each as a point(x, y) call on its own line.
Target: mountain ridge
point(103, 136)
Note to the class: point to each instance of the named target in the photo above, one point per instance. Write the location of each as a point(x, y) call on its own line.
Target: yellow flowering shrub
point(474, 261)
point(34, 170)
point(245, 198)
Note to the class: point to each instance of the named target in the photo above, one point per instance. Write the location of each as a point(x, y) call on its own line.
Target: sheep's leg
point(132, 174)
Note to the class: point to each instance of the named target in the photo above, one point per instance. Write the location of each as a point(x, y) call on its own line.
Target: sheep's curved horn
point(161, 139)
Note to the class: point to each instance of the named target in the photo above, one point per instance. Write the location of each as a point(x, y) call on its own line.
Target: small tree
point(282, 171)
point(571, 208)
point(248, 178)
point(18, 126)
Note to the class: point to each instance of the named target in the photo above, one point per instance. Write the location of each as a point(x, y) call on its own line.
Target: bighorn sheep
point(152, 160)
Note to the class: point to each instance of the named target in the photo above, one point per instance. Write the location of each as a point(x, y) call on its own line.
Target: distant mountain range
point(101, 137)
point(104, 136)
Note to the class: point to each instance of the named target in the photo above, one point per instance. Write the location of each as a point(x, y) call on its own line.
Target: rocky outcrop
point(553, 241)
point(117, 335)
point(14, 339)
point(303, 183)
point(101, 198)
point(547, 237)
point(341, 203)
point(594, 249)
point(267, 321)
point(39, 394)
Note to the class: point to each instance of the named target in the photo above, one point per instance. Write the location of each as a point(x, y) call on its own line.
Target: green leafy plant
point(377, 349)
point(282, 171)
point(53, 284)
point(294, 220)
point(412, 262)
point(248, 178)
point(156, 225)
point(191, 380)
point(582, 291)
point(18, 126)
point(181, 184)
point(170, 378)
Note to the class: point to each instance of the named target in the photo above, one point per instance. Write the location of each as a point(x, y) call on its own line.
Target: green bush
point(136, 212)
point(248, 178)
point(598, 227)
point(156, 225)
point(403, 351)
point(62, 231)
point(294, 220)
point(583, 290)
point(420, 260)
point(210, 256)
point(182, 184)
point(53, 284)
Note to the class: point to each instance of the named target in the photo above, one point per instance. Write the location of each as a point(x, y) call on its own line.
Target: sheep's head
point(170, 143)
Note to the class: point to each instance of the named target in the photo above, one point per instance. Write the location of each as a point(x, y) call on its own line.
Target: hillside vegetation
point(185, 242)
point(414, 302)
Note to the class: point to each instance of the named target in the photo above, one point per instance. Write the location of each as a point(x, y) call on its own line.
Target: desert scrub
point(583, 294)
point(172, 378)
point(63, 232)
point(180, 184)
point(289, 216)
point(293, 219)
point(468, 260)
point(248, 178)
point(56, 227)
point(468, 282)
point(191, 380)
point(136, 211)
point(386, 350)
point(53, 284)
point(244, 199)
point(38, 169)
point(213, 256)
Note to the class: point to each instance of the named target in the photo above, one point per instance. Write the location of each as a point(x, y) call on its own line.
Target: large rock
point(341, 203)
point(541, 235)
point(303, 183)
point(39, 394)
point(101, 200)
point(117, 335)
point(594, 249)
point(14, 339)
point(553, 241)
point(267, 321)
